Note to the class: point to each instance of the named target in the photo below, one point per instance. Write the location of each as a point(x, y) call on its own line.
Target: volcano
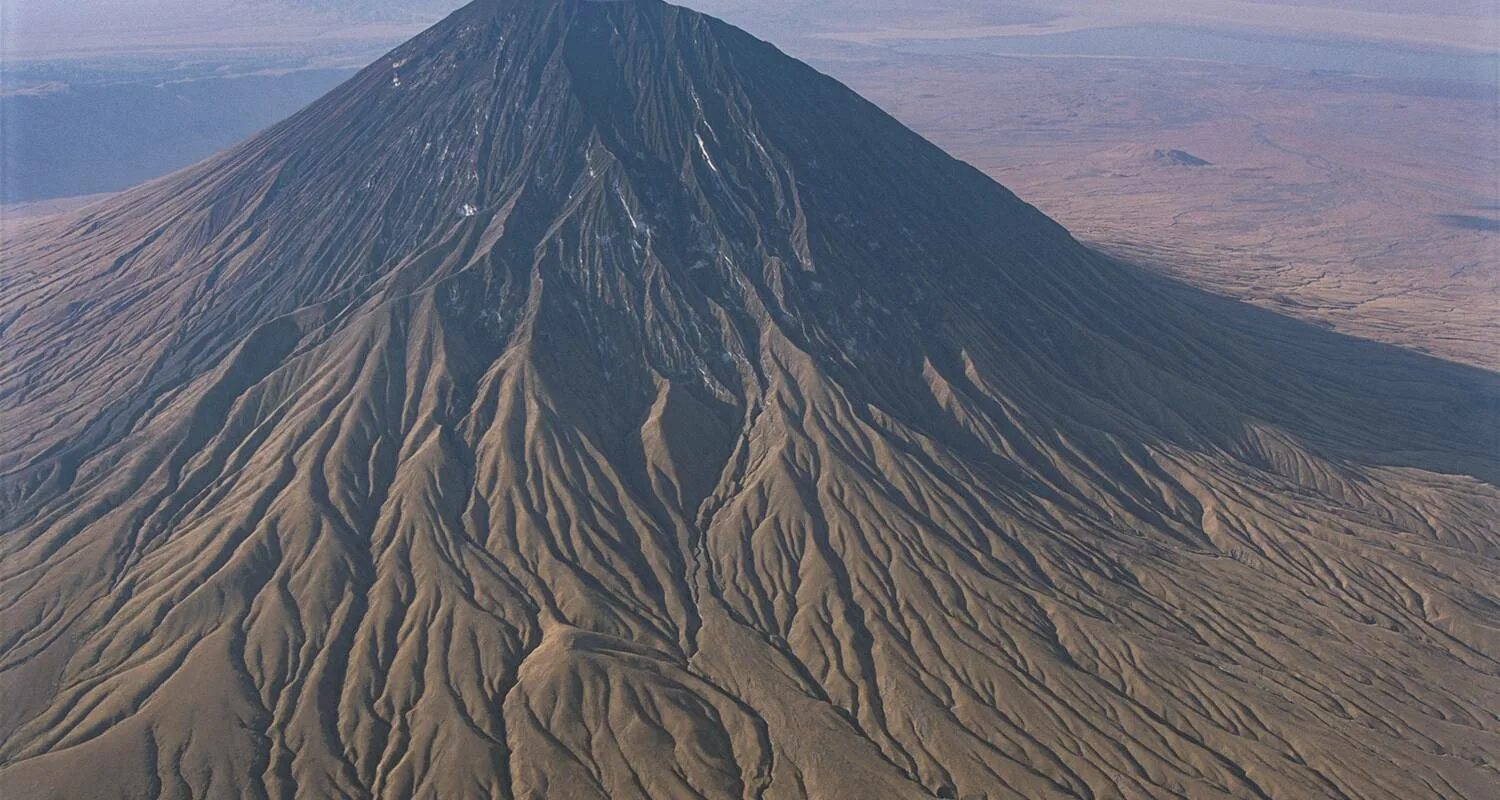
point(587, 400)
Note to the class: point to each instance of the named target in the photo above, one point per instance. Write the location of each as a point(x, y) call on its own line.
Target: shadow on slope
point(1354, 398)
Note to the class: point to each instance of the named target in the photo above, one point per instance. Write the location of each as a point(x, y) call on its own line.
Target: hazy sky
point(43, 27)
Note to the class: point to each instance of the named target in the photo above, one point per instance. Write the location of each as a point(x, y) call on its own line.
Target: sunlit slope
point(587, 400)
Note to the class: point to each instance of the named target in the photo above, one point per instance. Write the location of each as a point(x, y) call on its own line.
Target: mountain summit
point(588, 400)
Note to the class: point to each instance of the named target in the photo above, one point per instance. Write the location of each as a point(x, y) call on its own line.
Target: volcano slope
point(587, 400)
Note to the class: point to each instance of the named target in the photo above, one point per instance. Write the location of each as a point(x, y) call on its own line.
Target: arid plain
point(1365, 203)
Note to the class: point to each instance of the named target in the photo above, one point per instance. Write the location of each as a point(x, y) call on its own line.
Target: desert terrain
point(592, 400)
point(1365, 203)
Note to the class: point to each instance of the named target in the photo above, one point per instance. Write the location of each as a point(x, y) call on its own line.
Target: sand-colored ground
point(1368, 204)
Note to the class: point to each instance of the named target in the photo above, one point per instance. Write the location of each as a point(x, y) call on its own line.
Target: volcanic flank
point(587, 400)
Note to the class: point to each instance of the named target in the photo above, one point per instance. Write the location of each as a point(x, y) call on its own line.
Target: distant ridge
point(1179, 158)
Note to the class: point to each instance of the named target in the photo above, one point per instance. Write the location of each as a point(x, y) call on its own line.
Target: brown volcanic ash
point(587, 400)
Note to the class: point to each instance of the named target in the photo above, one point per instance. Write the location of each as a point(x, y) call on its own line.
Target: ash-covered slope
point(588, 400)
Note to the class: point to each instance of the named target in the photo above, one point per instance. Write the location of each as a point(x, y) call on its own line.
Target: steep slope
point(587, 400)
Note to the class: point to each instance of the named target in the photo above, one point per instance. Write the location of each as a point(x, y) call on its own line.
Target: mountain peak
point(631, 156)
point(588, 400)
